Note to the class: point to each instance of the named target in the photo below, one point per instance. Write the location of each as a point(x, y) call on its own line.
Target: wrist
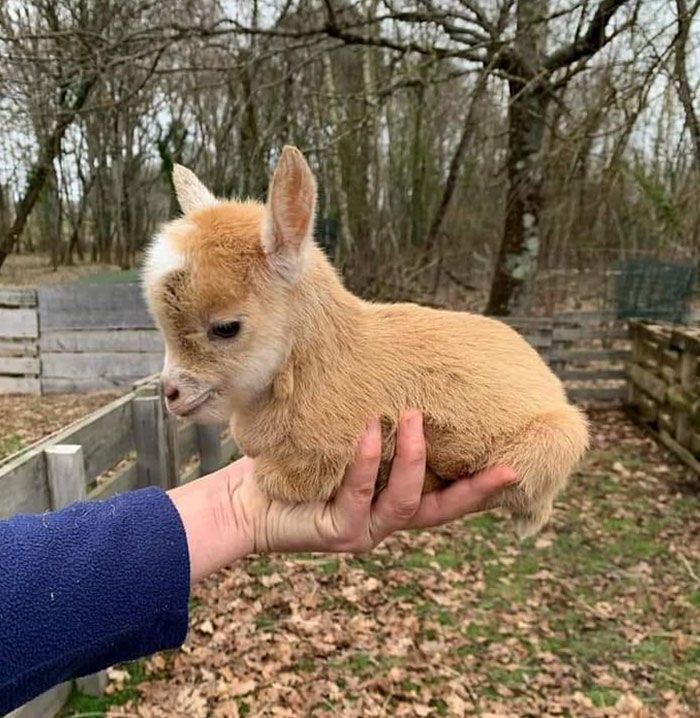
point(215, 525)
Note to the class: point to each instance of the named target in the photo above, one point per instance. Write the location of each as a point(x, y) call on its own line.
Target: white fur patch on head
point(161, 258)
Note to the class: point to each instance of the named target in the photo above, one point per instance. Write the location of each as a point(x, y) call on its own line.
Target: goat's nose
point(170, 390)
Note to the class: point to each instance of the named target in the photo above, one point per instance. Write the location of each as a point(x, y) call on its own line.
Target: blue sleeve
point(88, 586)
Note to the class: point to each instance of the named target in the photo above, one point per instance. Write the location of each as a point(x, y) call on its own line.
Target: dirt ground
point(33, 270)
point(26, 419)
point(599, 616)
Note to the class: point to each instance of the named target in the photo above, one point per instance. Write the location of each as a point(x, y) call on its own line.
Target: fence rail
point(19, 334)
point(133, 442)
point(664, 387)
point(84, 337)
point(130, 443)
point(75, 338)
point(586, 350)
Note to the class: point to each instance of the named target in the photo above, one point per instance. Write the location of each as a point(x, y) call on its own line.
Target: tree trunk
point(370, 138)
point(336, 162)
point(455, 166)
point(680, 72)
point(417, 166)
point(41, 168)
point(516, 265)
point(249, 134)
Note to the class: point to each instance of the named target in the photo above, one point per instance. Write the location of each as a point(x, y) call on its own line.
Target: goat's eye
point(225, 330)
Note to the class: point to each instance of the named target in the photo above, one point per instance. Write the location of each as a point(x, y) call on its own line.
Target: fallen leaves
point(595, 618)
point(25, 419)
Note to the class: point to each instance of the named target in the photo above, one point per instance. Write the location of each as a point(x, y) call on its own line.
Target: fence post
point(209, 445)
point(65, 470)
point(156, 462)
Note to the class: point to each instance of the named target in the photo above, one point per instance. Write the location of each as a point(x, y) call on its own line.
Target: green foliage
point(80, 704)
point(9, 445)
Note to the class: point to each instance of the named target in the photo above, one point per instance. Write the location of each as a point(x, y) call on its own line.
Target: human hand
point(227, 516)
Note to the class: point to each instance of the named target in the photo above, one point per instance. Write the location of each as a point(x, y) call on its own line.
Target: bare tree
point(685, 91)
point(453, 140)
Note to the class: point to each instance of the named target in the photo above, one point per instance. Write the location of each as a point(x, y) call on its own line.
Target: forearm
point(216, 524)
point(86, 587)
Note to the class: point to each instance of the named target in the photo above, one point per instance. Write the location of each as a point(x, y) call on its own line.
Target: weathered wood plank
point(46, 705)
point(647, 381)
point(209, 447)
point(527, 322)
point(594, 317)
point(695, 443)
point(538, 341)
point(229, 450)
point(65, 472)
point(105, 436)
point(18, 323)
point(592, 374)
point(55, 385)
point(103, 365)
point(688, 369)
point(93, 306)
point(588, 355)
point(125, 479)
point(194, 472)
point(683, 454)
point(93, 340)
point(602, 393)
point(645, 408)
point(92, 685)
point(23, 486)
point(579, 333)
point(19, 348)
point(187, 441)
point(229, 453)
point(17, 297)
point(19, 385)
point(154, 459)
point(18, 366)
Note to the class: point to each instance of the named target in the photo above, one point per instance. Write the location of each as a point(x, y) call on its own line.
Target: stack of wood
point(664, 385)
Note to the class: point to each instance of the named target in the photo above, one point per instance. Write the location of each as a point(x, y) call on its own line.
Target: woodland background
point(468, 148)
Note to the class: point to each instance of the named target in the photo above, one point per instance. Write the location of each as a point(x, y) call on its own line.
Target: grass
point(600, 606)
point(10, 444)
point(116, 276)
point(80, 704)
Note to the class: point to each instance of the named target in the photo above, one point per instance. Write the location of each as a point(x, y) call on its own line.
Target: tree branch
point(592, 41)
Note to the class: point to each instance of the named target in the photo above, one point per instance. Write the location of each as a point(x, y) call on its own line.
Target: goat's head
point(220, 283)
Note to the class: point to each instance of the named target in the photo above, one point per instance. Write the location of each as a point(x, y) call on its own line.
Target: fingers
point(400, 500)
point(465, 496)
point(354, 497)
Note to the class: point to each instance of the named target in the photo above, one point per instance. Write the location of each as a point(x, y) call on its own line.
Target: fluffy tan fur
point(312, 362)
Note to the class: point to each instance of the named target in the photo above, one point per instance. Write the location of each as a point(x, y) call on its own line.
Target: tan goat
point(260, 331)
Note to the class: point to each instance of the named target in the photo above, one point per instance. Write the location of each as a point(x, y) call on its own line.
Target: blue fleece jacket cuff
point(88, 586)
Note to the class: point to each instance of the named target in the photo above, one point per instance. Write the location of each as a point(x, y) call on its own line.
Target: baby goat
point(260, 331)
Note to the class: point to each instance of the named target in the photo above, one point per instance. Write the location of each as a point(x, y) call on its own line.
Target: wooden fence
point(19, 337)
point(586, 350)
point(134, 442)
point(664, 386)
point(131, 443)
point(84, 337)
point(77, 337)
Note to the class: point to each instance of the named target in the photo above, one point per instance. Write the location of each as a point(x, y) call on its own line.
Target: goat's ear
point(191, 193)
point(289, 212)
